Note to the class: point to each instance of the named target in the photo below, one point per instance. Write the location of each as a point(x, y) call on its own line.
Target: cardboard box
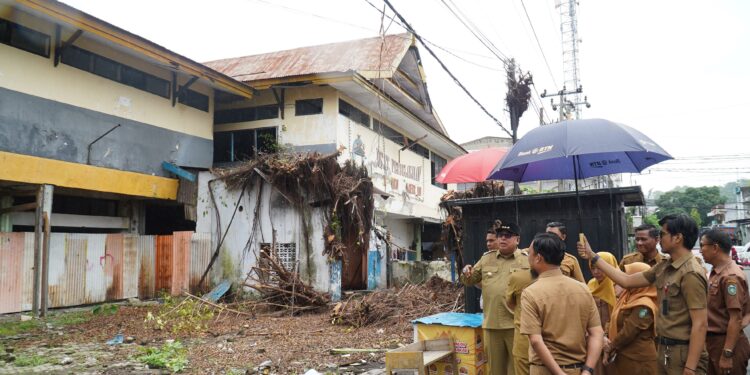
point(468, 339)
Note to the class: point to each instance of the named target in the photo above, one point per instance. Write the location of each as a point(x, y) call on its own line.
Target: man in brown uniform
point(492, 272)
point(728, 306)
point(518, 281)
point(558, 315)
point(681, 295)
point(646, 238)
point(569, 266)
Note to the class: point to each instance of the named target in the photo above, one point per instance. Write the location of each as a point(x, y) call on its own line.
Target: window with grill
point(353, 113)
point(286, 252)
point(24, 38)
point(308, 107)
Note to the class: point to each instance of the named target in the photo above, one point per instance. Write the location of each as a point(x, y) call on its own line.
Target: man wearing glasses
point(681, 287)
point(492, 272)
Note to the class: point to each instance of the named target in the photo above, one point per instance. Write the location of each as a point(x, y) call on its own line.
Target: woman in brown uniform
point(631, 331)
point(603, 290)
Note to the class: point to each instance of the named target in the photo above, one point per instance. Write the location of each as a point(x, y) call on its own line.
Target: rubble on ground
point(399, 306)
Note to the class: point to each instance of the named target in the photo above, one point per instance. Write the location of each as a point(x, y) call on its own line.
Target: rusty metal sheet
point(68, 269)
point(180, 261)
point(113, 254)
point(356, 55)
point(164, 263)
point(11, 272)
point(130, 266)
point(96, 282)
point(200, 256)
point(147, 266)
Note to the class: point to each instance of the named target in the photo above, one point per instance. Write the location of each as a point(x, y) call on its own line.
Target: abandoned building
point(107, 141)
point(101, 119)
point(367, 98)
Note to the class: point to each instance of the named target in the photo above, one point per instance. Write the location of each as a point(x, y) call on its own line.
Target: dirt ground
point(74, 341)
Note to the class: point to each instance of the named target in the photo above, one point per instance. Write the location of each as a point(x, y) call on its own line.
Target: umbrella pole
point(576, 163)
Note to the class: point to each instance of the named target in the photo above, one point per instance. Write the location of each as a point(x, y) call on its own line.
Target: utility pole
point(517, 100)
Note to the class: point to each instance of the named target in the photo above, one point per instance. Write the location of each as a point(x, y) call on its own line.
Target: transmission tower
point(569, 30)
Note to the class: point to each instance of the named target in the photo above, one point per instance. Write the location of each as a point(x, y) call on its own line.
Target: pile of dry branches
point(481, 189)
point(281, 289)
point(400, 306)
point(316, 180)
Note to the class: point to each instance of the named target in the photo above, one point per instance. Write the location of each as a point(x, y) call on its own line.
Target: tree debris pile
point(316, 180)
point(481, 189)
point(399, 305)
point(281, 289)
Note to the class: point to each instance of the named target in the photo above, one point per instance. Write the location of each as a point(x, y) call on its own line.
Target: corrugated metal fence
point(91, 268)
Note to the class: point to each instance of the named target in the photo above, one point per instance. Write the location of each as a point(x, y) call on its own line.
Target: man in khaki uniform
point(558, 315)
point(569, 266)
point(518, 281)
point(681, 296)
point(728, 307)
point(646, 237)
point(492, 272)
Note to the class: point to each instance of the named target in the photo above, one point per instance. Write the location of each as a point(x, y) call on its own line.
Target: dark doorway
point(165, 218)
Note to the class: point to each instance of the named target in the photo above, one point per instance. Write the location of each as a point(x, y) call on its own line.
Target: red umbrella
point(473, 167)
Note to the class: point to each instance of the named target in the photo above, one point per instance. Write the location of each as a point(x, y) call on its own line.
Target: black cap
point(507, 226)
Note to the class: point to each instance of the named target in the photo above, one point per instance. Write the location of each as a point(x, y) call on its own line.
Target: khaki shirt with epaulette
point(492, 272)
point(681, 286)
point(571, 268)
point(519, 279)
point(638, 257)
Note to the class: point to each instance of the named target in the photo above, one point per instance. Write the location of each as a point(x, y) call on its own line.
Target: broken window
point(436, 165)
point(353, 113)
point(24, 38)
point(264, 112)
point(308, 107)
point(242, 145)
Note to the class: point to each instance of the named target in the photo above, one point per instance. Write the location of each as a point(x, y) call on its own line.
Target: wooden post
point(45, 262)
point(41, 259)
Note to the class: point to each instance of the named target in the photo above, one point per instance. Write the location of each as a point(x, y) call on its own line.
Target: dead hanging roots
point(314, 180)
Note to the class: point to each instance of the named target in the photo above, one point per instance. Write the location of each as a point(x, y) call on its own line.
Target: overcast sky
point(676, 70)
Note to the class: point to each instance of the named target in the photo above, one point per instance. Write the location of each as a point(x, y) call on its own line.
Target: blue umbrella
point(578, 149)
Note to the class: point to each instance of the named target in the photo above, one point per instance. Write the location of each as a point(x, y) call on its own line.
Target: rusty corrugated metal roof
point(355, 55)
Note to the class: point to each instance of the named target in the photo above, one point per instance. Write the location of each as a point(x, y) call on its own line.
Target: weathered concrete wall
point(302, 133)
point(418, 272)
point(41, 127)
point(241, 246)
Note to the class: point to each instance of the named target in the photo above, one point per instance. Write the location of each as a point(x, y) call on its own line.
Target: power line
point(539, 44)
point(449, 51)
point(476, 32)
point(419, 38)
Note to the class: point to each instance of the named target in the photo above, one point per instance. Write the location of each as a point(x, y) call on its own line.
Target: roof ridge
point(404, 35)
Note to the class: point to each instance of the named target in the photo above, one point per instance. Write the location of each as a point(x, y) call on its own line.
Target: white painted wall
point(239, 251)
